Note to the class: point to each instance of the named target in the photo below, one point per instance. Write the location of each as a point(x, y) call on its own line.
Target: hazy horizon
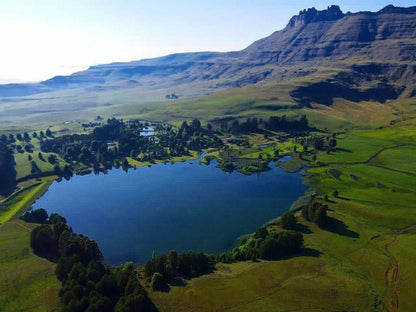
point(44, 39)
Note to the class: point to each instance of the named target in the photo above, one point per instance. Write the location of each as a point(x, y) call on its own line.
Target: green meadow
point(363, 261)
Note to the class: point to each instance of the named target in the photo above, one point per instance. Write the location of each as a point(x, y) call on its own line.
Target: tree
point(235, 126)
point(36, 216)
point(3, 138)
point(7, 170)
point(158, 282)
point(315, 212)
point(276, 153)
point(35, 169)
point(107, 286)
point(332, 143)
point(52, 159)
point(49, 133)
point(11, 138)
point(195, 124)
point(261, 232)
point(318, 142)
point(172, 262)
point(288, 221)
point(43, 242)
point(282, 244)
point(40, 155)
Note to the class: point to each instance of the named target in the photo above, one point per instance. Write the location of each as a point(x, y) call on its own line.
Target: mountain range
point(357, 56)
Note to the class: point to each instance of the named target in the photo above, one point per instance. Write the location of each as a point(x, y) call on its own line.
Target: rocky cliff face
point(313, 39)
point(313, 15)
point(329, 35)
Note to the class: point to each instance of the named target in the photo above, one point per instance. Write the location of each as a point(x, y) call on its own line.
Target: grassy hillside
point(68, 109)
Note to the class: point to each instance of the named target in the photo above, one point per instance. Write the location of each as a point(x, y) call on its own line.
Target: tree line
point(273, 123)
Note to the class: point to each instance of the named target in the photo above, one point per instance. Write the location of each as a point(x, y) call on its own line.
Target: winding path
point(392, 274)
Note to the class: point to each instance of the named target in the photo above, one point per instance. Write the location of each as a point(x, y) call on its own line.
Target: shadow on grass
point(340, 149)
point(304, 252)
point(181, 281)
point(310, 252)
point(7, 191)
point(302, 228)
point(336, 226)
point(164, 288)
point(177, 281)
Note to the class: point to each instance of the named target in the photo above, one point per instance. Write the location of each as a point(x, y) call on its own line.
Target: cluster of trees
point(264, 245)
point(36, 216)
point(171, 96)
point(318, 142)
point(163, 269)
point(281, 123)
point(288, 221)
point(234, 126)
point(87, 284)
point(7, 171)
point(126, 141)
point(316, 212)
point(274, 123)
point(25, 137)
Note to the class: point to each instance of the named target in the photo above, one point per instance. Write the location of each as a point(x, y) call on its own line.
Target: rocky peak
point(392, 9)
point(312, 15)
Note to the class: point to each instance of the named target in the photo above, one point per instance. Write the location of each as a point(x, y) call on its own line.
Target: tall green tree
point(7, 170)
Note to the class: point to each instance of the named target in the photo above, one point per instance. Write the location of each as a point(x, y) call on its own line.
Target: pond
point(147, 132)
point(182, 206)
point(285, 158)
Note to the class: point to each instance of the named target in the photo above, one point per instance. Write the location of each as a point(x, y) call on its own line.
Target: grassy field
point(24, 166)
point(27, 282)
point(22, 199)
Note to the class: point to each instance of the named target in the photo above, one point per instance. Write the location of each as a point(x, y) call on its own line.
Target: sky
point(44, 38)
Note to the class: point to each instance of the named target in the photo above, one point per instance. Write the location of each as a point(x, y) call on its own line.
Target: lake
point(182, 206)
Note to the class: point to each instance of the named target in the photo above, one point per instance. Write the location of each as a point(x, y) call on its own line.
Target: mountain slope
point(363, 56)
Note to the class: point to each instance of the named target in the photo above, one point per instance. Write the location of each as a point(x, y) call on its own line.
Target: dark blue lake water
point(182, 206)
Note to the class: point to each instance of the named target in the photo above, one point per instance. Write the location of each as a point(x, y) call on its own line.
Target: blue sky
point(43, 38)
